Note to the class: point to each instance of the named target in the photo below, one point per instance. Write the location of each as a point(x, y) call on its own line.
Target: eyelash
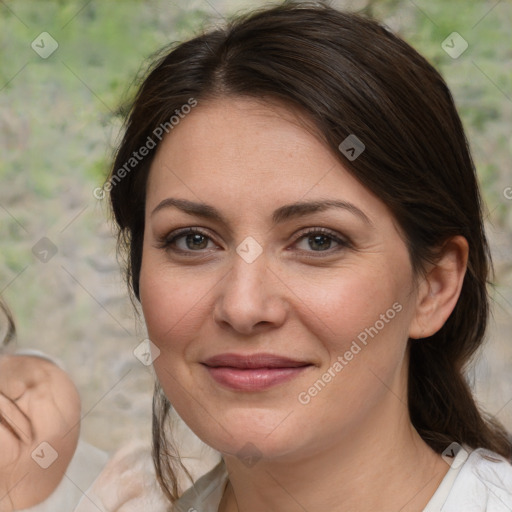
point(167, 241)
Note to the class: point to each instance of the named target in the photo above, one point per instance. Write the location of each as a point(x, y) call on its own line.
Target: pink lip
point(255, 372)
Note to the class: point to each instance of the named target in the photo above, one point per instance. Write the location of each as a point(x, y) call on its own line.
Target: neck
point(381, 465)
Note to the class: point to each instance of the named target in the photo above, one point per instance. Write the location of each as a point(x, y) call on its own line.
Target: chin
point(268, 438)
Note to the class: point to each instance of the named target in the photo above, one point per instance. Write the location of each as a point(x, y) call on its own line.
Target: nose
point(250, 298)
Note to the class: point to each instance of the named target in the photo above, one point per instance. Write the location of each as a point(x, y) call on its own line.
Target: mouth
point(255, 372)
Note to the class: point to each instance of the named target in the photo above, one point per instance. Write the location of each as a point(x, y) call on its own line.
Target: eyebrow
point(282, 214)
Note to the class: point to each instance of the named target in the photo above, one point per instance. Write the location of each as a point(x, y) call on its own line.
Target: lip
point(253, 372)
point(251, 361)
point(13, 419)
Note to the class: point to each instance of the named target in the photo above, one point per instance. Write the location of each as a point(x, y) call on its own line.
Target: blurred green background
point(60, 118)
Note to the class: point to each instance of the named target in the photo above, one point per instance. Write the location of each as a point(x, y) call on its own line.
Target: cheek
point(361, 319)
point(349, 302)
point(55, 412)
point(175, 301)
point(9, 454)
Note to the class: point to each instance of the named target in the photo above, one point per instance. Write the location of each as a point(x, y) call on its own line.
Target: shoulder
point(483, 484)
point(126, 484)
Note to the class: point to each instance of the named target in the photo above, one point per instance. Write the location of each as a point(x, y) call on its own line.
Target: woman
point(304, 231)
point(44, 466)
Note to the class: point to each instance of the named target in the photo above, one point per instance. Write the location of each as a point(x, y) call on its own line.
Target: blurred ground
point(59, 121)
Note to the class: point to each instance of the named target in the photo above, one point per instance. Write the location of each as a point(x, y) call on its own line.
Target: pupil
point(316, 238)
point(193, 238)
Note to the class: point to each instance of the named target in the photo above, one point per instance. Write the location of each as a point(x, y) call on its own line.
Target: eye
point(320, 240)
point(185, 241)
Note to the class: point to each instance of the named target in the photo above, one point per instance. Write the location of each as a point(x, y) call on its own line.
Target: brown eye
point(186, 240)
point(194, 241)
point(321, 240)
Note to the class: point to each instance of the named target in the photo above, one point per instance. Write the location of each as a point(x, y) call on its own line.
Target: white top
point(85, 466)
point(480, 483)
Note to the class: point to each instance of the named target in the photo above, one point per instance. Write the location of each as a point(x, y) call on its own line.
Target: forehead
point(243, 136)
point(248, 154)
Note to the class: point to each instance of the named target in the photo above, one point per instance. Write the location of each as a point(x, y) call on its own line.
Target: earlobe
point(440, 288)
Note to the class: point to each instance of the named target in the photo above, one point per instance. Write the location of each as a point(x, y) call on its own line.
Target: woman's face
point(271, 332)
point(38, 404)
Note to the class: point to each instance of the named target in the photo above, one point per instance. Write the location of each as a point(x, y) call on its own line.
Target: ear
point(439, 289)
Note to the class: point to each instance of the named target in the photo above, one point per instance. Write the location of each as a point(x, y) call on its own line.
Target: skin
point(352, 447)
point(41, 404)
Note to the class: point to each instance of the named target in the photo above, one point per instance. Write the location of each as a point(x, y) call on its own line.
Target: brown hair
point(8, 328)
point(349, 75)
